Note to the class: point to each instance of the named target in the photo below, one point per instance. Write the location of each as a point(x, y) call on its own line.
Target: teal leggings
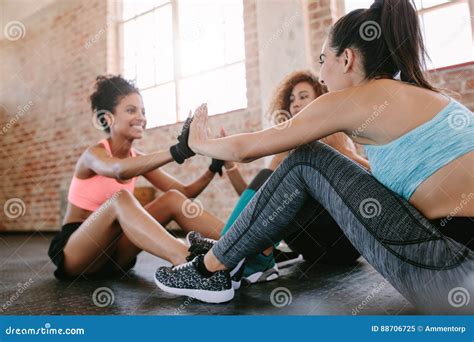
point(239, 207)
point(246, 196)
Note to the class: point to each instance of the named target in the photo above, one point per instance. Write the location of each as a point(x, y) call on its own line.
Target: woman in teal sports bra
point(414, 227)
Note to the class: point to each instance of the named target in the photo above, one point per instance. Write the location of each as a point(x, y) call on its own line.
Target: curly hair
point(109, 90)
point(281, 97)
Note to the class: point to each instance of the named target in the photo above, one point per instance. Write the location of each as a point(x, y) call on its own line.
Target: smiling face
point(129, 117)
point(302, 95)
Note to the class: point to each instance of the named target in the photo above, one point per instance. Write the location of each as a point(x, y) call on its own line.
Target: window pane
point(223, 90)
point(234, 31)
point(130, 49)
point(145, 53)
point(431, 3)
point(149, 61)
point(133, 7)
point(211, 38)
point(211, 34)
point(451, 42)
point(160, 105)
point(162, 33)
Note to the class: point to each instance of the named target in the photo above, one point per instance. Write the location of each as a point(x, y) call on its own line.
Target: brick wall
point(46, 78)
point(457, 78)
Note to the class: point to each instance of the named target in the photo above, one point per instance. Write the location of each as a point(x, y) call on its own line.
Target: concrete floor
point(314, 289)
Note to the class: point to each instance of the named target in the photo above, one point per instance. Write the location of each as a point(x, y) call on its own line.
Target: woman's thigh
point(93, 243)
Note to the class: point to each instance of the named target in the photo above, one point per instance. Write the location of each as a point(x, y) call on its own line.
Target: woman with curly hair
point(105, 227)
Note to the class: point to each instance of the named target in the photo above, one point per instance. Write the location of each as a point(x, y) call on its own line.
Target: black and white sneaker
point(186, 280)
point(236, 274)
point(201, 245)
point(198, 244)
point(285, 259)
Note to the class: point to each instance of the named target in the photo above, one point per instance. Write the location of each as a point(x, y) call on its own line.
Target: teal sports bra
point(404, 163)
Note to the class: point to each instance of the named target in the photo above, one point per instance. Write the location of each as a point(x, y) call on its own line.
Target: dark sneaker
point(201, 245)
point(285, 259)
point(185, 280)
point(236, 274)
point(198, 244)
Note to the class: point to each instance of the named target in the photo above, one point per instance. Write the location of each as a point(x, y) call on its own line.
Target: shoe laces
point(182, 266)
point(199, 238)
point(198, 248)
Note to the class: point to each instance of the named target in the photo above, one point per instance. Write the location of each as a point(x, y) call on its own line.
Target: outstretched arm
point(330, 113)
point(164, 181)
point(97, 159)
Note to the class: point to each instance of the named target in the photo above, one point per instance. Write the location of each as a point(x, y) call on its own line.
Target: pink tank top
point(91, 193)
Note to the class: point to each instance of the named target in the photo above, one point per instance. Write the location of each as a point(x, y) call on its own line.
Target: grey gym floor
point(302, 289)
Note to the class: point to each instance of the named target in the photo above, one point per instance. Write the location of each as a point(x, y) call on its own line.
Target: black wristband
point(176, 155)
point(216, 166)
point(181, 151)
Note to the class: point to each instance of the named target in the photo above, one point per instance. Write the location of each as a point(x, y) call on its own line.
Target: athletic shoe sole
point(202, 295)
point(260, 277)
point(290, 262)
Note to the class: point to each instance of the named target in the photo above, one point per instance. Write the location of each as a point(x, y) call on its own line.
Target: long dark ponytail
point(389, 38)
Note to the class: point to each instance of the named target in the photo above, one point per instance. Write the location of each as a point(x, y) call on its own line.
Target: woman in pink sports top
point(105, 227)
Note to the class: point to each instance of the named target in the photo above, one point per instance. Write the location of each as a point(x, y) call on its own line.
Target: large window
point(183, 53)
point(447, 29)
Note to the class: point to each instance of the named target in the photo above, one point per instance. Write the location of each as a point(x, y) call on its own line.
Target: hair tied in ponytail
point(378, 4)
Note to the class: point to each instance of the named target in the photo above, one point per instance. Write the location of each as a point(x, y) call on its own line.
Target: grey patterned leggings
point(395, 238)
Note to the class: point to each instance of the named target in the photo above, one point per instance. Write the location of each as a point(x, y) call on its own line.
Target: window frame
point(421, 12)
point(177, 74)
point(341, 10)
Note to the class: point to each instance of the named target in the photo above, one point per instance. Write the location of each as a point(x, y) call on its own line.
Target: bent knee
point(124, 197)
point(314, 152)
point(175, 195)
